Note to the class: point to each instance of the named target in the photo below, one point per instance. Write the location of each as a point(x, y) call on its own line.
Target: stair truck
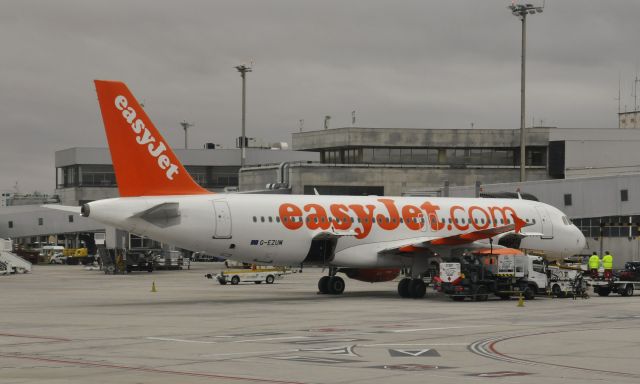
point(504, 272)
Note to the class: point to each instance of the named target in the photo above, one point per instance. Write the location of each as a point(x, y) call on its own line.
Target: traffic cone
point(521, 301)
point(153, 286)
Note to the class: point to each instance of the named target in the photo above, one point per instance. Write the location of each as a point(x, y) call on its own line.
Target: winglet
point(143, 163)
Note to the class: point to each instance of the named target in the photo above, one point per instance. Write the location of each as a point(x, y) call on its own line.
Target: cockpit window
point(566, 220)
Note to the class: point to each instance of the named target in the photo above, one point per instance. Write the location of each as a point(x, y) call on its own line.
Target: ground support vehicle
point(623, 282)
point(139, 261)
point(9, 261)
point(75, 256)
point(566, 281)
point(255, 275)
point(503, 272)
point(169, 260)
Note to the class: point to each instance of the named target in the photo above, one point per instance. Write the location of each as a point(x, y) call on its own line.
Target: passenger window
point(270, 219)
point(277, 219)
point(262, 219)
point(255, 219)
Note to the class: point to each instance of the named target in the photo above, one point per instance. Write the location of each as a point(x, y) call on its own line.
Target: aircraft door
point(222, 219)
point(546, 225)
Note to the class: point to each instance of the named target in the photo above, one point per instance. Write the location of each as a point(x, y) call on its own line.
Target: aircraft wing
point(421, 244)
point(333, 234)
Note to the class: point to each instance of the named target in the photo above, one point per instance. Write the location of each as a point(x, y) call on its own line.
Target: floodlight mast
point(243, 69)
point(521, 11)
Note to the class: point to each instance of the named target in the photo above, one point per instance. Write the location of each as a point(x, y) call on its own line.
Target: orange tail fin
point(144, 164)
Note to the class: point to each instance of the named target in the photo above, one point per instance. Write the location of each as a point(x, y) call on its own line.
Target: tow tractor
point(504, 272)
point(623, 282)
point(255, 274)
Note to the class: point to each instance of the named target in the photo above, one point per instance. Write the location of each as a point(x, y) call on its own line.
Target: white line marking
point(182, 340)
point(423, 344)
point(272, 338)
point(436, 329)
point(250, 353)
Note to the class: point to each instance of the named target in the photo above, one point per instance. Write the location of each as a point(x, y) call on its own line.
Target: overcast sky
point(412, 64)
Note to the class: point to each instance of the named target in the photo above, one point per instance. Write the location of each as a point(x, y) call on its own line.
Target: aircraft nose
point(582, 241)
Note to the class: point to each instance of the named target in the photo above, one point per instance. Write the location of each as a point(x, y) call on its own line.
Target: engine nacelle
point(371, 275)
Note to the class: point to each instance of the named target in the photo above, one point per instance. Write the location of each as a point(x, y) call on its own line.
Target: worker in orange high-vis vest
point(607, 264)
point(594, 265)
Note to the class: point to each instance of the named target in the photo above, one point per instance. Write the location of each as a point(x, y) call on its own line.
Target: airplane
point(370, 238)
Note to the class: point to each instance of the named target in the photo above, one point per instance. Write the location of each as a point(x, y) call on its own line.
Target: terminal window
point(71, 218)
point(624, 195)
point(10, 224)
point(40, 221)
point(567, 199)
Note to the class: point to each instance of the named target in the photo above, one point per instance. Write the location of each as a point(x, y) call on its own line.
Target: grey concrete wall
point(397, 180)
point(389, 137)
point(599, 158)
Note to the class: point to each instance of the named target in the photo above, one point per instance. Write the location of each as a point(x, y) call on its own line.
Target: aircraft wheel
point(403, 287)
point(336, 285)
point(417, 288)
point(323, 285)
point(529, 293)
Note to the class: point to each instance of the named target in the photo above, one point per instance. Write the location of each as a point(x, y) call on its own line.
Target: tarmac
point(63, 324)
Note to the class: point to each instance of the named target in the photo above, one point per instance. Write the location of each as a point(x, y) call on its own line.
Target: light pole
point(186, 126)
point(521, 11)
point(243, 69)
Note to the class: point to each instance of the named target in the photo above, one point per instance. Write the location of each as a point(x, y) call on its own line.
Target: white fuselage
point(279, 229)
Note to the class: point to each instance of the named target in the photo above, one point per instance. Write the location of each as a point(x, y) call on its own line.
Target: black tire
point(480, 293)
point(403, 287)
point(457, 298)
point(235, 280)
point(557, 291)
point(323, 285)
point(336, 285)
point(529, 292)
point(270, 279)
point(502, 296)
point(628, 290)
point(601, 291)
point(417, 288)
point(222, 282)
point(257, 282)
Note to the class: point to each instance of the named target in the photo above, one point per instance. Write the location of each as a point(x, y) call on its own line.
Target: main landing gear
point(332, 284)
point(414, 288)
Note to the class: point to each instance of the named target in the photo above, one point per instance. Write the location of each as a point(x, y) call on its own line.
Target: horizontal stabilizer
point(161, 215)
point(66, 208)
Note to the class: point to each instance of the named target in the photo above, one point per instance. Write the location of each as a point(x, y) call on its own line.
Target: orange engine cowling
point(372, 275)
